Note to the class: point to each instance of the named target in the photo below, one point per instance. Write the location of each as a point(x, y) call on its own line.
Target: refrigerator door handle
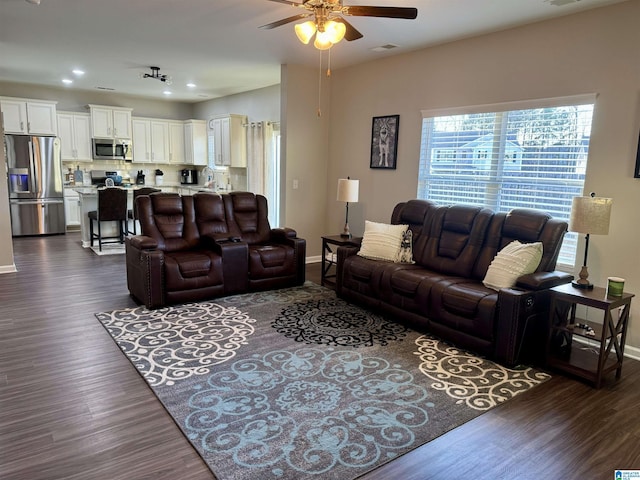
point(32, 164)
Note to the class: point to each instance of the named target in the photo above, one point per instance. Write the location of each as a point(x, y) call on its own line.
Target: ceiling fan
point(328, 20)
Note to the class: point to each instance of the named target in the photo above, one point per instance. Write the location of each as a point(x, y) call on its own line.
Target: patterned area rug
point(298, 384)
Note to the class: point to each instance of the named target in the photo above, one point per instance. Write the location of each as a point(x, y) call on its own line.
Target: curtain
point(256, 158)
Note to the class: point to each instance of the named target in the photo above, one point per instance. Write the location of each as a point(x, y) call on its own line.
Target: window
point(527, 157)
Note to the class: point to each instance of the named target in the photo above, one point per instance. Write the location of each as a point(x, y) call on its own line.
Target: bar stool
point(112, 207)
point(132, 214)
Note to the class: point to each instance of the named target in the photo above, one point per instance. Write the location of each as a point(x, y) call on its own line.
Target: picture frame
point(384, 142)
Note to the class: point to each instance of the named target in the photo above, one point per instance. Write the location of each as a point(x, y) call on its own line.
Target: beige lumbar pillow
point(513, 261)
point(382, 241)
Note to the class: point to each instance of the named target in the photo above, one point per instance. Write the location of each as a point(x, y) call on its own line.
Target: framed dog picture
point(384, 142)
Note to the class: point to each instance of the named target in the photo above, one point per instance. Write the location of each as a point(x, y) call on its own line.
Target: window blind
point(506, 159)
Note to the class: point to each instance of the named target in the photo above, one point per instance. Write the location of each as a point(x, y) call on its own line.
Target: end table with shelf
point(599, 346)
point(329, 256)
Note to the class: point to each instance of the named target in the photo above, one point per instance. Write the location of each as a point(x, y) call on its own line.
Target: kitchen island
point(88, 201)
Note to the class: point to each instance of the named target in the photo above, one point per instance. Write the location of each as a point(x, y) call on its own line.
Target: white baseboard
point(629, 350)
point(8, 268)
point(314, 259)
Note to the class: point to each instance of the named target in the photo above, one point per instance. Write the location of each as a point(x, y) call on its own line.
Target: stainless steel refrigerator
point(36, 196)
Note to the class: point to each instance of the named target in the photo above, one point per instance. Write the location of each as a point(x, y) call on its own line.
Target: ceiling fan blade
point(284, 21)
point(351, 33)
point(389, 12)
point(287, 2)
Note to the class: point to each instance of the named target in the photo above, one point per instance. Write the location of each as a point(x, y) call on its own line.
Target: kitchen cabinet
point(110, 122)
point(28, 117)
point(176, 142)
point(229, 140)
point(72, 209)
point(74, 131)
point(195, 142)
point(150, 140)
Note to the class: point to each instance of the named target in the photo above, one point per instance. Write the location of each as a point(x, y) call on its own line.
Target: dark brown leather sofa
point(443, 292)
point(208, 245)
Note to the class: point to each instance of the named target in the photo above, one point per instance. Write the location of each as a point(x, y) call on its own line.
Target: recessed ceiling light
point(78, 72)
point(67, 81)
point(191, 85)
point(167, 92)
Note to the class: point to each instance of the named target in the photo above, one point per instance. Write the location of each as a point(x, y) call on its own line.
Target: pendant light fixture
point(327, 32)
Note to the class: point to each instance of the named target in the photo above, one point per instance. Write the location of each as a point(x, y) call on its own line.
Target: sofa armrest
point(343, 252)
point(145, 271)
point(235, 263)
point(282, 233)
point(522, 328)
point(543, 280)
point(143, 242)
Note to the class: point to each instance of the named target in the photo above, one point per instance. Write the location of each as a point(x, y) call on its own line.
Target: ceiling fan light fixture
point(335, 30)
point(305, 31)
point(322, 41)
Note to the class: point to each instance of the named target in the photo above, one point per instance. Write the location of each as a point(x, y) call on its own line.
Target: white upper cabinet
point(195, 142)
point(110, 122)
point(150, 140)
point(229, 140)
point(141, 140)
point(28, 117)
point(74, 131)
point(177, 142)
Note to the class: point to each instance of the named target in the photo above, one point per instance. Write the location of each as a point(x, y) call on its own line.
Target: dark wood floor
point(73, 407)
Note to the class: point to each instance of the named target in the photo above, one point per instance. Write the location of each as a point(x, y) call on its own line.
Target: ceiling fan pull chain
point(320, 85)
point(329, 63)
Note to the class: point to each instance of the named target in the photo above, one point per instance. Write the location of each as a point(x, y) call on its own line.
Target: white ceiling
point(217, 44)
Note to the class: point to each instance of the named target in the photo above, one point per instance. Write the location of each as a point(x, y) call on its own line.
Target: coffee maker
point(189, 176)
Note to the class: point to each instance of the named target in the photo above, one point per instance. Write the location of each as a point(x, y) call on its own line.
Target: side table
point(329, 258)
point(580, 358)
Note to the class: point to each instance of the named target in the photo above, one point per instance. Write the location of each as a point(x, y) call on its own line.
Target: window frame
point(499, 108)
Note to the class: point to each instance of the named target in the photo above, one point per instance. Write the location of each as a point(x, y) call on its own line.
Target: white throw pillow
point(382, 241)
point(513, 261)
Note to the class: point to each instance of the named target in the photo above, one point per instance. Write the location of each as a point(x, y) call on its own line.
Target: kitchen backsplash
point(236, 177)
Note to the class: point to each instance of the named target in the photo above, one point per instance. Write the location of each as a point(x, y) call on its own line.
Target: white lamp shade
point(348, 190)
point(590, 215)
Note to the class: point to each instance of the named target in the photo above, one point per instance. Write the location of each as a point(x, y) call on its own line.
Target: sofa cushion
point(382, 241)
point(513, 261)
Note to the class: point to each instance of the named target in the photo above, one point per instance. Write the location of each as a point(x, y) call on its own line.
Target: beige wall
point(591, 52)
point(304, 153)
point(257, 105)
point(70, 100)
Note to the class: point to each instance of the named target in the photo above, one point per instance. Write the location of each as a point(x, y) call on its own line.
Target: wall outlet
point(295, 183)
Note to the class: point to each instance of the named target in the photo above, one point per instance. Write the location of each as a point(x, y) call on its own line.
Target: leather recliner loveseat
point(208, 245)
point(443, 291)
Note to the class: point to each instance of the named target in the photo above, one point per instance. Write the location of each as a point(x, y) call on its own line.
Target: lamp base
point(583, 286)
point(583, 281)
point(346, 232)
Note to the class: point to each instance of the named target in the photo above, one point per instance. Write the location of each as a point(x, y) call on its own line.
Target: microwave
point(110, 149)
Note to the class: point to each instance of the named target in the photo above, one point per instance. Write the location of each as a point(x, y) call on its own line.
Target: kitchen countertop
point(93, 190)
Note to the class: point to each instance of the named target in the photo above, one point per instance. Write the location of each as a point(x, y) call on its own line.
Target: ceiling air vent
point(560, 3)
point(382, 48)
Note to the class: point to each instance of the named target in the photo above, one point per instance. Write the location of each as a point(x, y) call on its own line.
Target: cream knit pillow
point(511, 262)
point(382, 241)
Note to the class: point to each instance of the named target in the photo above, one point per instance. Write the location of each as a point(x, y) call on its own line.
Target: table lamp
point(347, 192)
point(589, 215)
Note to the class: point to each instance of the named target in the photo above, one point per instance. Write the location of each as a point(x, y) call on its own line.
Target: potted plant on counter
point(159, 176)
